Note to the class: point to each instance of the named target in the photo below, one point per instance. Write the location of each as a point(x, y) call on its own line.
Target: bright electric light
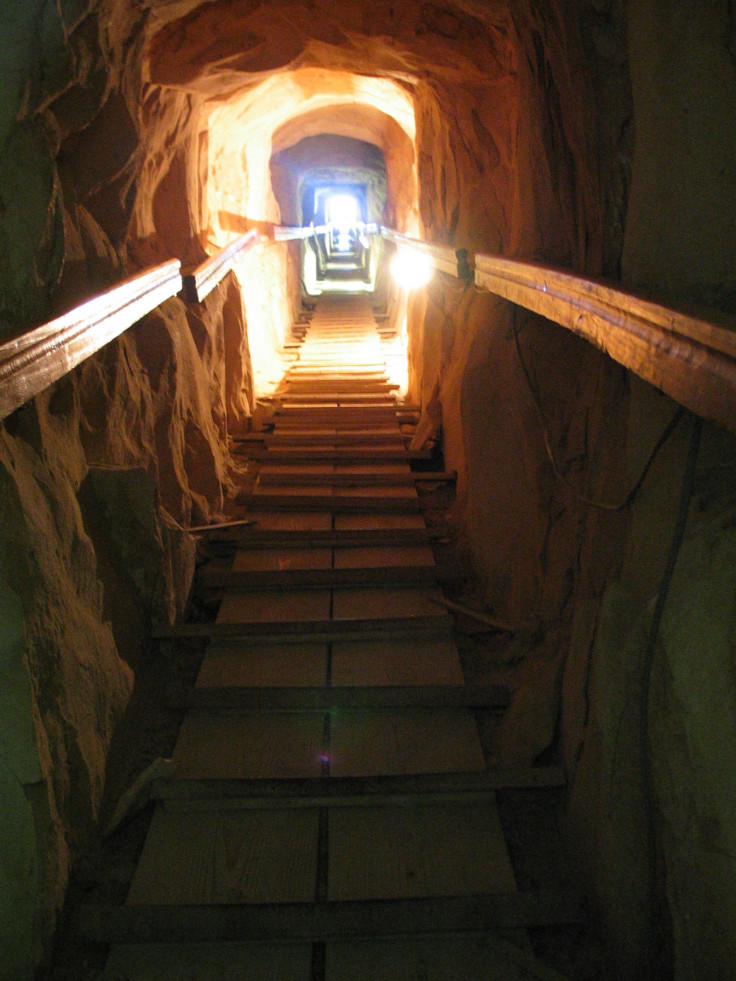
point(411, 269)
point(341, 210)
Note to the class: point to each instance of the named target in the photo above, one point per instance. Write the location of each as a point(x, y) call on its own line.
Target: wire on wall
point(583, 498)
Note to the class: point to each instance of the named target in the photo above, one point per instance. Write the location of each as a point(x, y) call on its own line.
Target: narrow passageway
point(330, 813)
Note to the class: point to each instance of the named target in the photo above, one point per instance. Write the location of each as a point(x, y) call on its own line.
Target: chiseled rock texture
point(548, 130)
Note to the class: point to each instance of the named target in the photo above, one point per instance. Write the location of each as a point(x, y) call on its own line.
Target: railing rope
point(36, 359)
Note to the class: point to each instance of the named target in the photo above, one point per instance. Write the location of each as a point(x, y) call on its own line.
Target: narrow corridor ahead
point(330, 814)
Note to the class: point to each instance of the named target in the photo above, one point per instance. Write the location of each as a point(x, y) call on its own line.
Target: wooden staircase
point(330, 814)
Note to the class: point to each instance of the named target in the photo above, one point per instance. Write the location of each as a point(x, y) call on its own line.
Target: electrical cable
point(584, 499)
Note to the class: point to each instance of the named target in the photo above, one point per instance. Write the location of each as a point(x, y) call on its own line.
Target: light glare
point(411, 269)
point(342, 210)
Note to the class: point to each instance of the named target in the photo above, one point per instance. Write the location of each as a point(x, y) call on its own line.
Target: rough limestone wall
point(671, 914)
point(511, 169)
point(91, 470)
point(70, 682)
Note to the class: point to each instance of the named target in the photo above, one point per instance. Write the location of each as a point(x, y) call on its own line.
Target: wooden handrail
point(31, 362)
point(690, 359)
point(206, 276)
point(443, 257)
point(296, 233)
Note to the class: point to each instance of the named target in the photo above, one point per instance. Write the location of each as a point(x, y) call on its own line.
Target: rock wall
point(98, 473)
point(647, 747)
point(104, 166)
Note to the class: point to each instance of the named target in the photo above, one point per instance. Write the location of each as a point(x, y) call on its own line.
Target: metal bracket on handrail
point(205, 277)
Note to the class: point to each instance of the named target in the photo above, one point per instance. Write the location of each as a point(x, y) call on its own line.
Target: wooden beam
point(314, 631)
point(384, 577)
point(293, 792)
point(308, 397)
point(34, 360)
point(202, 280)
point(693, 361)
point(334, 503)
point(324, 921)
point(288, 479)
point(443, 257)
point(254, 537)
point(326, 698)
point(341, 454)
point(393, 438)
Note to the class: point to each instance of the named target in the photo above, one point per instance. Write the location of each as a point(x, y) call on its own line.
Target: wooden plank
point(386, 492)
point(210, 962)
point(317, 437)
point(248, 745)
point(455, 958)
point(286, 523)
point(306, 368)
point(382, 467)
point(435, 850)
point(250, 564)
point(199, 283)
point(381, 742)
point(690, 359)
point(345, 385)
point(341, 791)
point(328, 502)
point(371, 603)
point(385, 557)
point(314, 631)
point(347, 398)
point(389, 424)
point(299, 454)
point(387, 577)
point(323, 921)
point(417, 661)
point(355, 479)
point(367, 412)
point(227, 857)
point(268, 606)
point(315, 698)
point(258, 538)
point(301, 665)
point(383, 522)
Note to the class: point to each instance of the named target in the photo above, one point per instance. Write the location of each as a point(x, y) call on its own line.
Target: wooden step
point(335, 504)
point(325, 920)
point(352, 791)
point(354, 479)
point(320, 439)
point(312, 630)
point(381, 577)
point(254, 537)
point(340, 454)
point(327, 698)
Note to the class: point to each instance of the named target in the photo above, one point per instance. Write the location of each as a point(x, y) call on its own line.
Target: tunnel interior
point(134, 133)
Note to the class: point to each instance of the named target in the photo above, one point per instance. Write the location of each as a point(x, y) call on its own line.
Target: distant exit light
point(342, 211)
